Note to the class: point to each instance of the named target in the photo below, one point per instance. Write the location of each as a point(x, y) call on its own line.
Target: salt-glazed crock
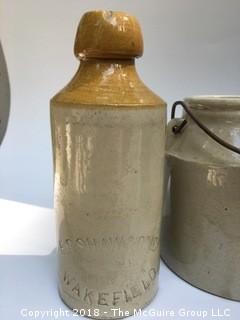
point(201, 223)
point(108, 133)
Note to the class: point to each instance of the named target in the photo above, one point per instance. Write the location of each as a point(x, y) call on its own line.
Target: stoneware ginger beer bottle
point(108, 134)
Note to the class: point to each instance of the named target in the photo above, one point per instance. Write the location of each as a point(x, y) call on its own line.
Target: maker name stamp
point(88, 296)
point(114, 242)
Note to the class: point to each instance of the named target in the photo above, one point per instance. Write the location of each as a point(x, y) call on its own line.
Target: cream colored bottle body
point(108, 134)
point(108, 185)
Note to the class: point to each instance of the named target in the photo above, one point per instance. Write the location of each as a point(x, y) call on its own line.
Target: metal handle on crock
point(177, 128)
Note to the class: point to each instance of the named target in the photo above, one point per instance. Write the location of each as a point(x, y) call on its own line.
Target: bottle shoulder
point(114, 85)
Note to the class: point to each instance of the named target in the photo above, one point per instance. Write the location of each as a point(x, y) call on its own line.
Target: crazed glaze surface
point(108, 134)
point(201, 237)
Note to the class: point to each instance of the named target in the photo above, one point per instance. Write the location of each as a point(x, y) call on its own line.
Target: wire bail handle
point(177, 128)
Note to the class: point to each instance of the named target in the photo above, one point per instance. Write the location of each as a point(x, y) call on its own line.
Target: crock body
point(201, 221)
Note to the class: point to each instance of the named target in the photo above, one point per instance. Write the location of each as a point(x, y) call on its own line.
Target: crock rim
point(227, 102)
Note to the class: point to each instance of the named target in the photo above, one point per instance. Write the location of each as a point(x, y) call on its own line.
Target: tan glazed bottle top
point(109, 35)
point(107, 44)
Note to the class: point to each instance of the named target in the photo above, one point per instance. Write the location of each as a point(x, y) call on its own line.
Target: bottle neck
point(105, 71)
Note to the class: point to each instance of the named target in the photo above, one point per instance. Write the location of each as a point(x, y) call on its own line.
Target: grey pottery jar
point(4, 94)
point(201, 221)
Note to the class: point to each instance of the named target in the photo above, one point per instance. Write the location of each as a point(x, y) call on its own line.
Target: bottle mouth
point(108, 35)
point(214, 102)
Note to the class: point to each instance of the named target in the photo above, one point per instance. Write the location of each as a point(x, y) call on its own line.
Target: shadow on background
point(4, 95)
